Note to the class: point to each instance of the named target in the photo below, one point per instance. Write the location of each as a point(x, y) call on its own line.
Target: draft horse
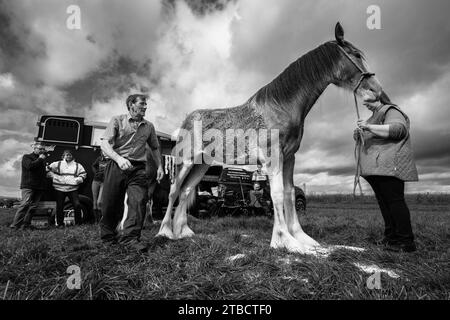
point(283, 104)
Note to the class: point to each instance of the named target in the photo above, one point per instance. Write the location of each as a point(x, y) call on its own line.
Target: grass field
point(230, 258)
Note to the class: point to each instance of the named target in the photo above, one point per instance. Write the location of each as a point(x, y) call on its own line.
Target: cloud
point(9, 168)
point(11, 154)
point(201, 7)
point(32, 99)
point(116, 77)
point(6, 81)
point(63, 55)
point(194, 66)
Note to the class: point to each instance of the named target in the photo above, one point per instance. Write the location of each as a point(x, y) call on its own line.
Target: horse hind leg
point(166, 229)
point(187, 195)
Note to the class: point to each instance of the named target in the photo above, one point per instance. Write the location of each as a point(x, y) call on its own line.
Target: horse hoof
point(306, 240)
point(185, 232)
point(166, 234)
point(286, 241)
point(292, 248)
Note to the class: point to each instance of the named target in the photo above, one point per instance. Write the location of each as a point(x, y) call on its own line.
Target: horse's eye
point(357, 55)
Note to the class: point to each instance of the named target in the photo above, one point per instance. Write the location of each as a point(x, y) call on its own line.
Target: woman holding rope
point(386, 162)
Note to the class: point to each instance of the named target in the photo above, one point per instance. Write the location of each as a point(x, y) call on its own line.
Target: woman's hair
point(66, 152)
point(38, 144)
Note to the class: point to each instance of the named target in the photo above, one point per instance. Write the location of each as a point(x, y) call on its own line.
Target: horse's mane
point(317, 65)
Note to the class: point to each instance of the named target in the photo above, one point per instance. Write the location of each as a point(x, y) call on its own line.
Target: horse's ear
point(339, 33)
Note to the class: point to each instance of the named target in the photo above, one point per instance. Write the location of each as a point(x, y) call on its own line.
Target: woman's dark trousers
point(390, 194)
point(74, 198)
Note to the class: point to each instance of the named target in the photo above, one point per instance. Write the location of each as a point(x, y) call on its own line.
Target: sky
point(196, 54)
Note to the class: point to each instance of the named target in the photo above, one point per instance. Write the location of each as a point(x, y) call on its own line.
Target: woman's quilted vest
point(388, 157)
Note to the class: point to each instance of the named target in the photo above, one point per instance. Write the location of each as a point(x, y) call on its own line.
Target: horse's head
point(352, 72)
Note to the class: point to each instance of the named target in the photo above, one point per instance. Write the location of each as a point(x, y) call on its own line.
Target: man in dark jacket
point(32, 185)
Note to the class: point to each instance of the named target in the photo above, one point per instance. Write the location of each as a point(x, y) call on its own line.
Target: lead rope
point(358, 147)
point(359, 143)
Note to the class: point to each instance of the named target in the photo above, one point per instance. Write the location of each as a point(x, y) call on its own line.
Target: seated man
point(257, 199)
point(260, 176)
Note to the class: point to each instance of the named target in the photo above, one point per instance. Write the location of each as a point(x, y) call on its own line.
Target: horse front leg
point(166, 229)
point(187, 197)
point(281, 238)
point(290, 212)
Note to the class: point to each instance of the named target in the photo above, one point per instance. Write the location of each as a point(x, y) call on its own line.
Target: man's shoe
point(401, 247)
point(383, 242)
point(60, 226)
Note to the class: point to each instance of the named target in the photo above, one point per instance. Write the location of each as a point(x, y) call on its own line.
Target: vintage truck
point(227, 191)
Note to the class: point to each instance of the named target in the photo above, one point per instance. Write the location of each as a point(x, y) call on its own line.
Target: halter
point(358, 146)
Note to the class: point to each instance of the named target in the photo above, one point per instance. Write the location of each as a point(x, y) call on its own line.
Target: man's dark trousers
point(134, 182)
point(30, 200)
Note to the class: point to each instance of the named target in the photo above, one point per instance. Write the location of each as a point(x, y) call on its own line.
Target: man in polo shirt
point(124, 143)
